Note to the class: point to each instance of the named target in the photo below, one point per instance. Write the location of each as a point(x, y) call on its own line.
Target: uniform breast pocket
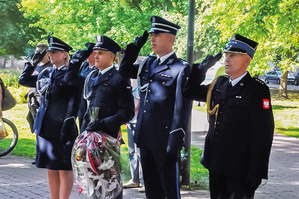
point(239, 108)
point(238, 101)
point(105, 88)
point(62, 86)
point(166, 80)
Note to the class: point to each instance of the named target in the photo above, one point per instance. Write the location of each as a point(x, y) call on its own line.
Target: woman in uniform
point(55, 124)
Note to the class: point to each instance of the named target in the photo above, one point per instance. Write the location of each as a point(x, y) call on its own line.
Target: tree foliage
point(77, 22)
point(15, 31)
point(272, 23)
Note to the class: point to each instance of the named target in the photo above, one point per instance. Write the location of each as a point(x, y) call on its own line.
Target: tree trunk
point(283, 91)
point(4, 62)
point(12, 61)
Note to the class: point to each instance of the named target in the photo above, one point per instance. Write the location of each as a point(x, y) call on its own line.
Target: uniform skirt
point(52, 155)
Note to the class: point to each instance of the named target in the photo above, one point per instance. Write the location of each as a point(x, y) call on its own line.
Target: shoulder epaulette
point(183, 62)
point(259, 81)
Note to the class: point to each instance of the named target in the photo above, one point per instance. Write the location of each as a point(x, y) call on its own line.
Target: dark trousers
point(120, 195)
point(222, 187)
point(161, 176)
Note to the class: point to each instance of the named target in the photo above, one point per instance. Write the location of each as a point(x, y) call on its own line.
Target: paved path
point(19, 179)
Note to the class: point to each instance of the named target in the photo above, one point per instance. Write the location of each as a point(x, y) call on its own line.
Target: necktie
point(157, 62)
point(98, 76)
point(53, 72)
point(230, 84)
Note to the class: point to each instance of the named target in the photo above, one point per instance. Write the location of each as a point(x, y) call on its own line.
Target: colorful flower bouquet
point(96, 165)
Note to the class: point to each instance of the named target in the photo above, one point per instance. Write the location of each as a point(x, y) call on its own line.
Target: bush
point(19, 93)
point(10, 77)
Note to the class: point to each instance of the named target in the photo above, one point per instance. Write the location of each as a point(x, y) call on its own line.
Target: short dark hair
point(42, 46)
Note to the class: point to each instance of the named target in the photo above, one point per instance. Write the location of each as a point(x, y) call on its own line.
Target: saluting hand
point(82, 55)
point(209, 61)
point(141, 40)
point(38, 57)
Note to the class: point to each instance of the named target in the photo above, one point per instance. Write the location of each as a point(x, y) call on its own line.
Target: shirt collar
point(235, 81)
point(106, 69)
point(163, 58)
point(58, 68)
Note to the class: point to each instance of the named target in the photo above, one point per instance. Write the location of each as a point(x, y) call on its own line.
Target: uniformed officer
point(55, 123)
point(239, 139)
point(164, 112)
point(106, 89)
point(41, 60)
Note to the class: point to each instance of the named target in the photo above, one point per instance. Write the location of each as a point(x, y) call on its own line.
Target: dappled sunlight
point(11, 165)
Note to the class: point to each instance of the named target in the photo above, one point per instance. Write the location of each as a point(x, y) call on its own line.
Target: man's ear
point(171, 38)
point(247, 59)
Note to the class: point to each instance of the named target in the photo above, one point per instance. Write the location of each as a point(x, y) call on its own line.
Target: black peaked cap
point(107, 44)
point(57, 44)
point(240, 44)
point(161, 25)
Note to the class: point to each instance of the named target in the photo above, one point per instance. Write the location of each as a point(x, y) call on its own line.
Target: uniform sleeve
point(181, 115)
point(72, 76)
point(262, 129)
point(26, 78)
point(127, 67)
point(193, 89)
point(69, 124)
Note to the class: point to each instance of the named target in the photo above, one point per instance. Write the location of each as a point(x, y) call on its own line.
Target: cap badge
point(51, 40)
point(99, 39)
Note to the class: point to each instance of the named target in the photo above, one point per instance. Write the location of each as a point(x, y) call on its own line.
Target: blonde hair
point(67, 59)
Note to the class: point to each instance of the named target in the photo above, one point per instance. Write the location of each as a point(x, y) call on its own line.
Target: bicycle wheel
point(8, 143)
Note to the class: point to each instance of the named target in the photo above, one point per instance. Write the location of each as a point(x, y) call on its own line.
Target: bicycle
point(8, 143)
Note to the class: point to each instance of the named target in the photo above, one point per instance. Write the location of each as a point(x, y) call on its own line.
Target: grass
point(26, 144)
point(286, 113)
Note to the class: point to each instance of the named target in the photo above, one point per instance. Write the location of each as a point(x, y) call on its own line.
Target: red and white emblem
point(266, 103)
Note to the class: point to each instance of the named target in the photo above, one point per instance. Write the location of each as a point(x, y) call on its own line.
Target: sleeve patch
point(266, 103)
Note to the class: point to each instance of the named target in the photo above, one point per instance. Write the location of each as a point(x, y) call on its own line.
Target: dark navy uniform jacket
point(163, 109)
point(59, 101)
point(112, 93)
point(36, 72)
point(84, 72)
point(239, 141)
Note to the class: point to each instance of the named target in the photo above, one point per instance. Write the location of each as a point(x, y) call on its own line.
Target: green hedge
point(10, 79)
